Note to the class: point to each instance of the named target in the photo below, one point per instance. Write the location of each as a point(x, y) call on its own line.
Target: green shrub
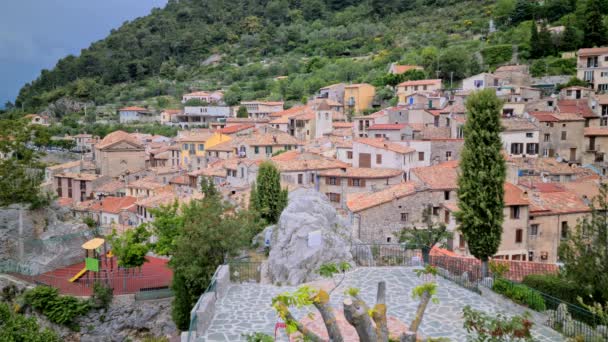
point(497, 54)
point(258, 337)
point(16, 327)
point(520, 294)
point(102, 295)
point(58, 309)
point(556, 286)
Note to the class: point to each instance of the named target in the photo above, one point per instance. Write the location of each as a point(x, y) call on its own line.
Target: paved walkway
point(246, 308)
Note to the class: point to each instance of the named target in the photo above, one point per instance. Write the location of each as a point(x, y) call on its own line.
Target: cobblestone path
point(246, 308)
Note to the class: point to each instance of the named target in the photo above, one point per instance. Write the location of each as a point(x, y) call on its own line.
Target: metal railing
point(571, 320)
point(244, 271)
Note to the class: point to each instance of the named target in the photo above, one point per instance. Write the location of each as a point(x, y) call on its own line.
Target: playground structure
point(101, 265)
point(94, 261)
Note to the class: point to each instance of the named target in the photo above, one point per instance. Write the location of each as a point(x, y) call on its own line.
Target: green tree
point(427, 237)
point(131, 247)
point(208, 189)
point(212, 231)
point(482, 177)
point(570, 39)
point(535, 50)
point(270, 199)
point(166, 227)
point(21, 171)
point(524, 10)
point(585, 248)
point(503, 10)
point(545, 42)
point(595, 33)
point(242, 112)
point(16, 327)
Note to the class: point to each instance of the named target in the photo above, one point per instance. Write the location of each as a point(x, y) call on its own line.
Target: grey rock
point(308, 217)
point(40, 240)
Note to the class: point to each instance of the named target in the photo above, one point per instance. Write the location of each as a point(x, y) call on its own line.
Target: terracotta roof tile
point(420, 82)
point(514, 195)
point(296, 161)
point(360, 172)
point(385, 145)
point(113, 205)
point(387, 127)
point(575, 107)
point(362, 201)
point(235, 128)
point(514, 124)
point(133, 109)
point(544, 116)
point(116, 137)
point(442, 176)
point(400, 69)
point(342, 124)
point(593, 51)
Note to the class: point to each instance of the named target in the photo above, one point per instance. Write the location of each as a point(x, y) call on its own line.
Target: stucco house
point(119, 153)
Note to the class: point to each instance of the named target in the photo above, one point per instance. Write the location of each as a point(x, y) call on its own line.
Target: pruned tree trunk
point(379, 313)
point(321, 302)
point(301, 328)
point(356, 313)
point(408, 336)
point(424, 301)
point(484, 268)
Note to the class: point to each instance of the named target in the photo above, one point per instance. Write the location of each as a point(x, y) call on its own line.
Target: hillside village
point(378, 170)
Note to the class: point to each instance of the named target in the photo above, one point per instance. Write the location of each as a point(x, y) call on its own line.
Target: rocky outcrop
point(66, 105)
point(40, 240)
point(308, 235)
point(127, 319)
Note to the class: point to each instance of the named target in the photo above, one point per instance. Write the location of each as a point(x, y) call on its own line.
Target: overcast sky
point(35, 34)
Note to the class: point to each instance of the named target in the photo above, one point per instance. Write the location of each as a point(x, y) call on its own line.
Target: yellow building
point(358, 97)
point(193, 145)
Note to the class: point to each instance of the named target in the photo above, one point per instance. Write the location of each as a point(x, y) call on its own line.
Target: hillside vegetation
point(242, 45)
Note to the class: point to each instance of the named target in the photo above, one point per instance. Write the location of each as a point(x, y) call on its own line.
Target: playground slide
point(78, 275)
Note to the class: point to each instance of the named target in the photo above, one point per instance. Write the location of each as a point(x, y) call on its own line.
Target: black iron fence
point(571, 320)
point(245, 271)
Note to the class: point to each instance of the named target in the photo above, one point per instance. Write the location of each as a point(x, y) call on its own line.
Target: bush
point(497, 54)
point(520, 294)
point(555, 286)
point(102, 295)
point(16, 327)
point(58, 309)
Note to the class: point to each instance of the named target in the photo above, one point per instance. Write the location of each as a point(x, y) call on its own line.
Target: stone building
point(119, 153)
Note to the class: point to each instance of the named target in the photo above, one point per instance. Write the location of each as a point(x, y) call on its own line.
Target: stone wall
point(379, 223)
point(204, 310)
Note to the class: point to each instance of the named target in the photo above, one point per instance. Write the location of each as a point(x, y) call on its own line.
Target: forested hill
point(164, 53)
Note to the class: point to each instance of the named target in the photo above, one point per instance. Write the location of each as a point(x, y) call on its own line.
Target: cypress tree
point(570, 40)
point(268, 199)
point(535, 51)
point(545, 42)
point(242, 112)
point(593, 26)
point(482, 177)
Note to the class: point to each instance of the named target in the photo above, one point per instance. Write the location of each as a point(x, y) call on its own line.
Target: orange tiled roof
point(287, 112)
point(235, 128)
point(514, 195)
point(420, 82)
point(112, 186)
point(133, 109)
point(544, 116)
point(79, 176)
point(145, 183)
point(575, 107)
point(115, 137)
point(387, 127)
point(181, 180)
point(293, 160)
point(442, 176)
point(113, 205)
point(361, 172)
point(362, 201)
point(556, 202)
point(400, 69)
point(342, 124)
point(593, 51)
point(385, 145)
